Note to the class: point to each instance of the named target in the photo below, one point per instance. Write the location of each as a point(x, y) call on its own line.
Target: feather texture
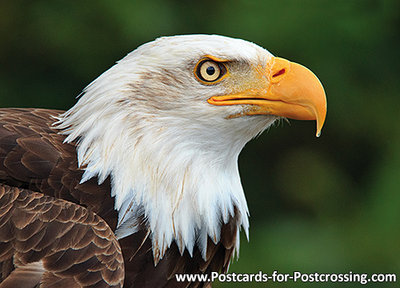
point(34, 159)
point(53, 242)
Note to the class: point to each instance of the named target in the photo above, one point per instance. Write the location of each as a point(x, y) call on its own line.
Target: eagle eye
point(209, 71)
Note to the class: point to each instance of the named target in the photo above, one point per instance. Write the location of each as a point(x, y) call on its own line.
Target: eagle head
point(167, 123)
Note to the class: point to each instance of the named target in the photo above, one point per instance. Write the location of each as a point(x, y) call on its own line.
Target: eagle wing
point(55, 242)
point(42, 236)
point(34, 160)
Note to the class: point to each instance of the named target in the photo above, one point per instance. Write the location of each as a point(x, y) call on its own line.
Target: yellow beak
point(291, 91)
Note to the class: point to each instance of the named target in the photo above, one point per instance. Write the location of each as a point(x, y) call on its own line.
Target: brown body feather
point(53, 242)
point(34, 160)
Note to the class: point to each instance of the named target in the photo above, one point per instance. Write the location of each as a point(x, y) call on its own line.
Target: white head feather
point(172, 156)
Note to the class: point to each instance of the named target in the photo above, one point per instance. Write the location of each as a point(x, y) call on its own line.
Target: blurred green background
point(328, 204)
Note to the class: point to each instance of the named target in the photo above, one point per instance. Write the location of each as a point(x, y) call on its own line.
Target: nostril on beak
point(280, 72)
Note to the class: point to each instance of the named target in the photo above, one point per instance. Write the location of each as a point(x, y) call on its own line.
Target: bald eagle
point(139, 180)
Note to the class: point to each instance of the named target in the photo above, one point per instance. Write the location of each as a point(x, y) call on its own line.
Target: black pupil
point(210, 70)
